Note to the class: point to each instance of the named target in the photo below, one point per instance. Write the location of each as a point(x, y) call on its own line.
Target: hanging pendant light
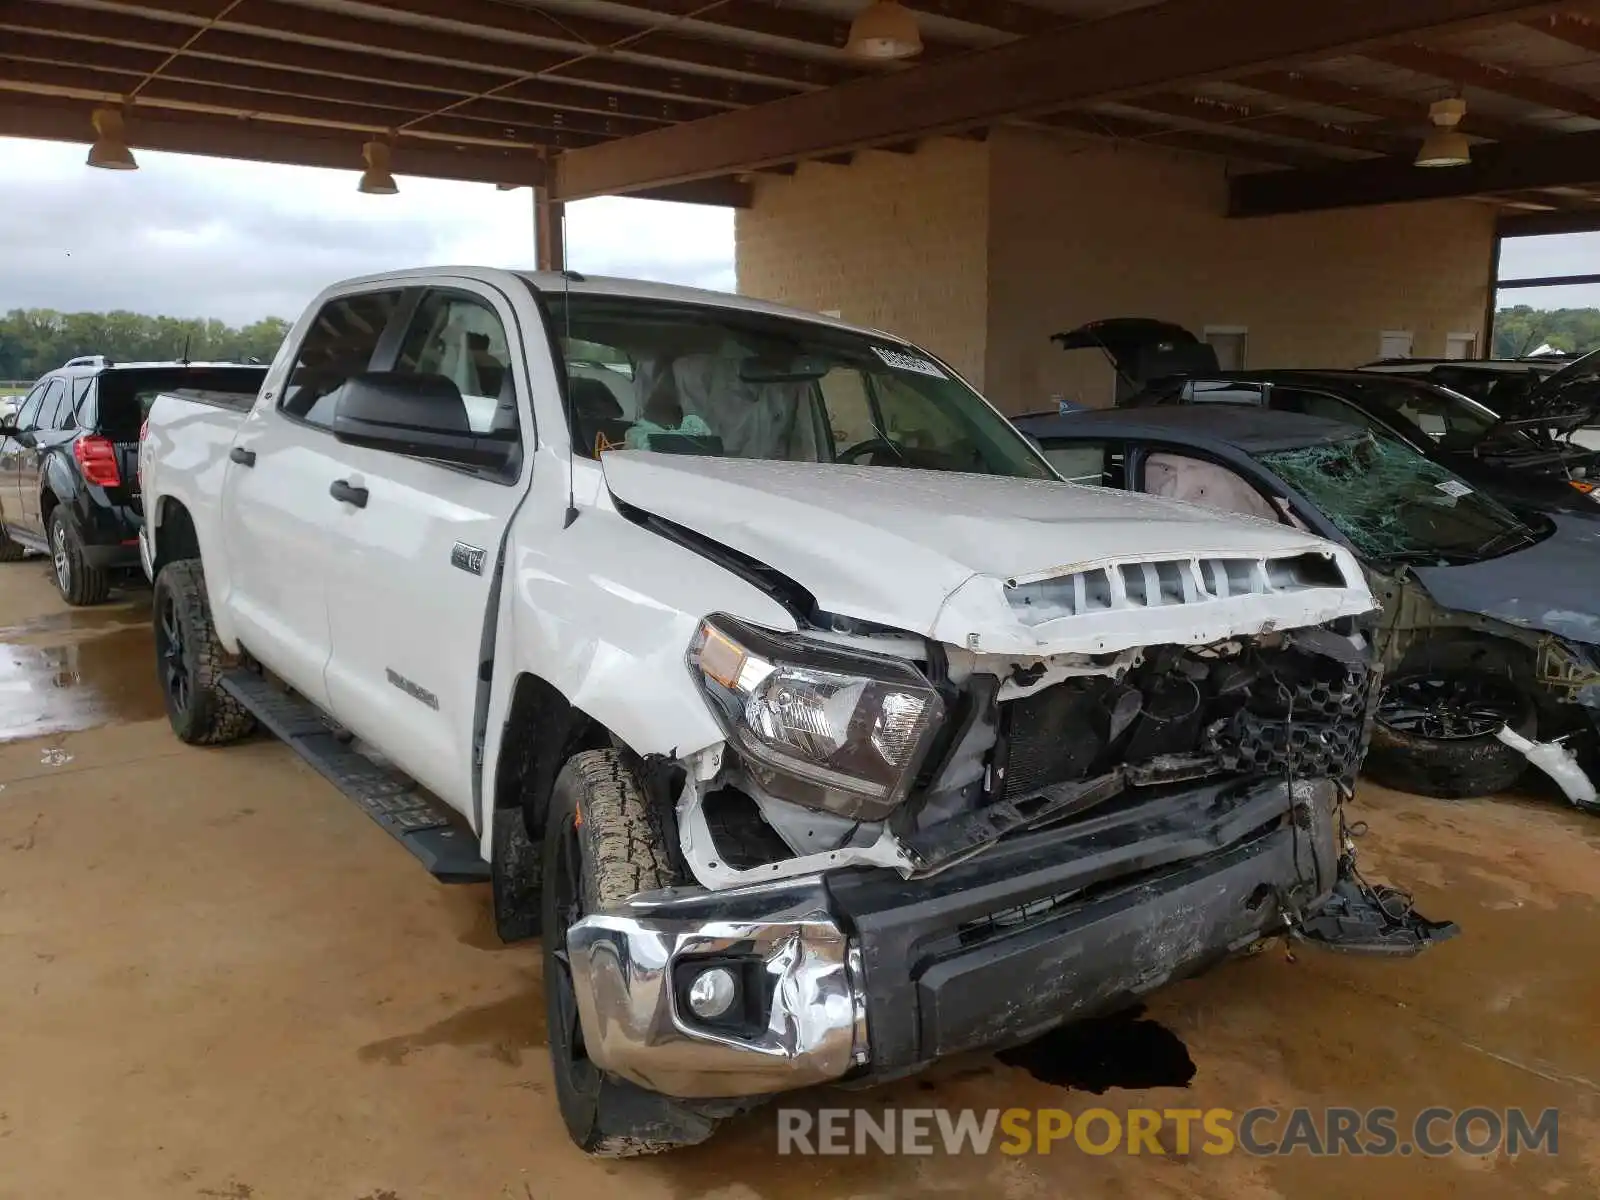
point(884, 30)
point(376, 179)
point(110, 149)
point(1446, 146)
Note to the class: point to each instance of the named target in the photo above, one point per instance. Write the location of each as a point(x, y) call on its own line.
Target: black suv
point(69, 482)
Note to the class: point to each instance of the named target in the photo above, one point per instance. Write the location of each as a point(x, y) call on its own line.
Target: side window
point(339, 345)
point(28, 413)
point(1100, 464)
point(1320, 404)
point(461, 337)
point(84, 394)
point(50, 409)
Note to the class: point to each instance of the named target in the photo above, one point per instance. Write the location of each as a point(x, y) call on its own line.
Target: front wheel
point(189, 660)
point(602, 844)
point(78, 582)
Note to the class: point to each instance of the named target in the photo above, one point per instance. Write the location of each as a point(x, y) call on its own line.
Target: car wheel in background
point(1437, 720)
point(10, 551)
point(190, 660)
point(77, 581)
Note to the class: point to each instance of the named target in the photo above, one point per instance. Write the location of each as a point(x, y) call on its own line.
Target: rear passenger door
point(45, 434)
point(12, 449)
point(413, 569)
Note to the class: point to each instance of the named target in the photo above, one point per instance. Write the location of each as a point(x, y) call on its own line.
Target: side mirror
point(422, 415)
point(8, 429)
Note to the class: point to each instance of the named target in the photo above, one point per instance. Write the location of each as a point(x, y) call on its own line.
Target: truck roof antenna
point(566, 387)
point(185, 358)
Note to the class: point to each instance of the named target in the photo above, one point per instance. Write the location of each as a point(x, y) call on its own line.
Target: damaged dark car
point(1525, 455)
point(1489, 638)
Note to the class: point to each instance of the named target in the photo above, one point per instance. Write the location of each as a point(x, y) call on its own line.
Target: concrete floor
point(219, 979)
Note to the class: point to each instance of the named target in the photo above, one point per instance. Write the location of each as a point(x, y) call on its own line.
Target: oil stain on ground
point(502, 1031)
point(1123, 1050)
point(103, 679)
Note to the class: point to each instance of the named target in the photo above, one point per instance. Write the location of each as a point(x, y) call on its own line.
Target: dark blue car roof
point(1242, 427)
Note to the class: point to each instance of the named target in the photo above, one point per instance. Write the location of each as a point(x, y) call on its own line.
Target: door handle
point(341, 490)
point(245, 458)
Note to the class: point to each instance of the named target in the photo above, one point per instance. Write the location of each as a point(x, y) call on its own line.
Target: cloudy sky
point(190, 237)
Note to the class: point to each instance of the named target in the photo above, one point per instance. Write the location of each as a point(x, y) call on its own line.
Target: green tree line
point(36, 340)
point(1521, 330)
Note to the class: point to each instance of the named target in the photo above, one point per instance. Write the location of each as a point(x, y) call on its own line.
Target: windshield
point(1395, 505)
point(702, 379)
point(1454, 421)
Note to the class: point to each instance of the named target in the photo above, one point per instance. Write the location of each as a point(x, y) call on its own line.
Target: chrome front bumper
point(624, 963)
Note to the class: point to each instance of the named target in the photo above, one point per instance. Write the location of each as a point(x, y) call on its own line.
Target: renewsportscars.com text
point(1318, 1132)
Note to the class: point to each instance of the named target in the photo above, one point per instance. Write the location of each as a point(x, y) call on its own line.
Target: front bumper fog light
point(712, 993)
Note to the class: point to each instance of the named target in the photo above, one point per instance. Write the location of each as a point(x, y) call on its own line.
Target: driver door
point(12, 450)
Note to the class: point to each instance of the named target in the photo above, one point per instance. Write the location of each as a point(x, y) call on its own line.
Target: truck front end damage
point(1093, 780)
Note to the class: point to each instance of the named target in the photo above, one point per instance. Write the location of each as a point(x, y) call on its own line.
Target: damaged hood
point(996, 564)
point(1549, 586)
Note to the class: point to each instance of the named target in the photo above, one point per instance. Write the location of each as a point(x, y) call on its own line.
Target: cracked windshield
point(693, 379)
point(1395, 505)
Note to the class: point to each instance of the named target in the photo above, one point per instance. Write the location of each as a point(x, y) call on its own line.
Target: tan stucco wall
point(1083, 230)
point(895, 241)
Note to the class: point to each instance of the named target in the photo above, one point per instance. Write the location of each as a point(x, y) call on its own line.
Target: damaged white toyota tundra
point(766, 672)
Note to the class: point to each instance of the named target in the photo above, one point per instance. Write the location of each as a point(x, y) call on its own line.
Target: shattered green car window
point(1393, 504)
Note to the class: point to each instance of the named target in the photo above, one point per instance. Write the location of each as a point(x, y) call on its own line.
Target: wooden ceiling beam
point(239, 103)
point(1568, 160)
point(311, 36)
point(1222, 113)
point(1461, 70)
point(1162, 46)
point(119, 70)
point(778, 21)
point(1155, 133)
point(1397, 110)
point(1570, 28)
point(476, 23)
point(365, 76)
point(1019, 20)
point(65, 120)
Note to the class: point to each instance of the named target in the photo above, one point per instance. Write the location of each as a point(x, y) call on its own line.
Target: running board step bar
point(411, 816)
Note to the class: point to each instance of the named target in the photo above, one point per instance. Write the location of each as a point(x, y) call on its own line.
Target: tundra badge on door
point(468, 558)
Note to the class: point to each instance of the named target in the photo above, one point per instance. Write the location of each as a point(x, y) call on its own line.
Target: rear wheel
point(1437, 720)
point(602, 844)
point(189, 660)
point(78, 582)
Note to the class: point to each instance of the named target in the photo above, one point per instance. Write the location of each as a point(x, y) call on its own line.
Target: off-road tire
point(1458, 768)
point(206, 715)
point(79, 583)
point(623, 849)
point(10, 551)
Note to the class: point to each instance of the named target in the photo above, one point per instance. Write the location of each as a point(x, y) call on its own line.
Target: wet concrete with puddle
point(218, 979)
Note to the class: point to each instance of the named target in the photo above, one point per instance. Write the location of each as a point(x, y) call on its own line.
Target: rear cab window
point(340, 344)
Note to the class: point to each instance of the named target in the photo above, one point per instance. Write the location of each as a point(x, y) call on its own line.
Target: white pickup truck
point(765, 671)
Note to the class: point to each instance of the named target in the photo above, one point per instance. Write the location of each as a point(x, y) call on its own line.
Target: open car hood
point(1000, 565)
point(1142, 349)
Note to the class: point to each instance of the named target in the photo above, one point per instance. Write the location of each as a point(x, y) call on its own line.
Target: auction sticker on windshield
point(1454, 488)
point(901, 361)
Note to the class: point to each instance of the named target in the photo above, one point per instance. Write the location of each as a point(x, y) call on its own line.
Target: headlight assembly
point(823, 727)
